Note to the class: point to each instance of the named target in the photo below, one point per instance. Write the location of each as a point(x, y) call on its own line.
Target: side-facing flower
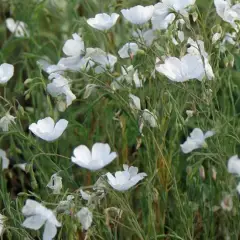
point(98, 158)
point(234, 165)
point(5, 161)
point(150, 118)
point(6, 72)
point(47, 130)
point(60, 87)
point(55, 183)
point(138, 14)
point(103, 21)
point(6, 121)
point(181, 70)
point(74, 47)
point(85, 217)
point(128, 50)
point(124, 180)
point(37, 215)
point(18, 28)
point(147, 36)
point(134, 102)
point(196, 140)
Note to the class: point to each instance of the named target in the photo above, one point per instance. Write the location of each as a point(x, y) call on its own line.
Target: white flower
point(181, 70)
point(74, 47)
point(196, 140)
point(103, 21)
point(227, 203)
point(180, 36)
point(163, 15)
point(66, 205)
point(5, 161)
point(234, 165)
point(18, 28)
point(85, 218)
point(150, 118)
point(228, 12)
point(2, 220)
point(124, 180)
point(6, 72)
point(60, 87)
point(230, 38)
point(197, 49)
point(134, 102)
point(238, 188)
point(37, 216)
point(6, 121)
point(85, 195)
point(147, 36)
point(55, 183)
point(105, 61)
point(216, 37)
point(138, 14)
point(47, 130)
point(128, 50)
point(99, 157)
point(22, 166)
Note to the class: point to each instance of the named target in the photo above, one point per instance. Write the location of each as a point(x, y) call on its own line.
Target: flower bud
point(202, 172)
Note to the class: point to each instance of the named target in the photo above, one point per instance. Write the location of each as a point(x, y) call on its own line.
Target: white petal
point(34, 222)
point(50, 231)
point(85, 217)
point(234, 165)
point(6, 72)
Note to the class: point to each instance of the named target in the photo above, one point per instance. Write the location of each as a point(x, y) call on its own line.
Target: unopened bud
point(202, 172)
point(214, 174)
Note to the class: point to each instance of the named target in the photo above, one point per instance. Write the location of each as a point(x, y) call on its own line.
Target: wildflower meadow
point(119, 119)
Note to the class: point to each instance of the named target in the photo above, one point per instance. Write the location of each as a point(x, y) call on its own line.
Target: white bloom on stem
point(85, 217)
point(238, 188)
point(6, 121)
point(22, 166)
point(131, 76)
point(37, 215)
point(47, 130)
point(150, 118)
point(124, 180)
point(18, 28)
point(66, 205)
point(2, 227)
point(134, 102)
point(197, 48)
point(163, 14)
point(55, 183)
point(227, 203)
point(234, 165)
point(60, 87)
point(216, 37)
point(181, 70)
point(196, 140)
point(147, 36)
point(98, 158)
point(6, 72)
point(74, 47)
point(228, 12)
point(138, 14)
point(129, 50)
point(103, 21)
point(5, 161)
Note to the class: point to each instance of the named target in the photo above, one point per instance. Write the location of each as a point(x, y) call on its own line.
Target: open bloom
point(163, 12)
point(229, 13)
point(234, 165)
point(105, 61)
point(128, 50)
point(196, 140)
point(85, 217)
point(124, 180)
point(55, 183)
point(6, 72)
point(99, 157)
point(60, 87)
point(47, 130)
point(37, 216)
point(138, 14)
point(6, 121)
point(74, 47)
point(197, 48)
point(103, 21)
point(5, 161)
point(181, 70)
point(18, 28)
point(150, 118)
point(147, 36)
